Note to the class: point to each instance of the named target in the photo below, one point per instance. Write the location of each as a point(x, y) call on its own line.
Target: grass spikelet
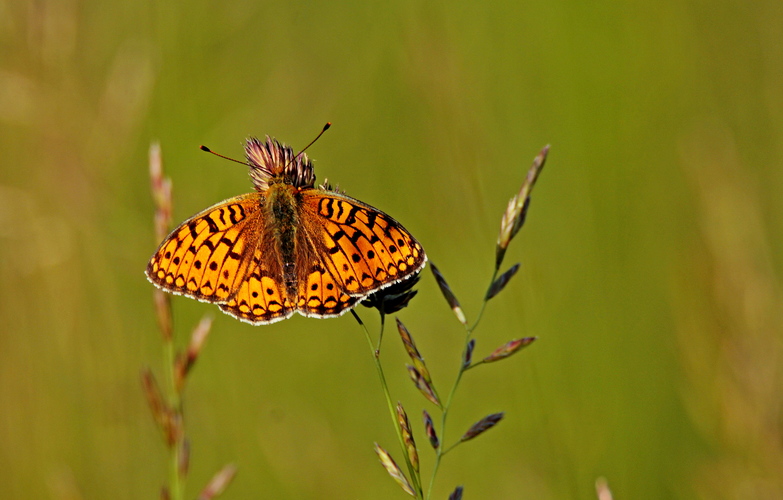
point(429, 429)
point(407, 436)
point(394, 471)
point(423, 386)
point(456, 494)
point(449, 295)
point(218, 483)
point(499, 284)
point(508, 349)
point(482, 426)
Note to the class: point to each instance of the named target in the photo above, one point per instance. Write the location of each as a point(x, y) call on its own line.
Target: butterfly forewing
point(208, 254)
point(363, 248)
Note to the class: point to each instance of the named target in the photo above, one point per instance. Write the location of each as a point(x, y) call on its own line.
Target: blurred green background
point(650, 260)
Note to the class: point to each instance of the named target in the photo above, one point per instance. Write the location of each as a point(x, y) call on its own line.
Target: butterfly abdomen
point(284, 219)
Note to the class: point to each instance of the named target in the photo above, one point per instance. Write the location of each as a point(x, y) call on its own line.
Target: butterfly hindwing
point(260, 297)
point(320, 296)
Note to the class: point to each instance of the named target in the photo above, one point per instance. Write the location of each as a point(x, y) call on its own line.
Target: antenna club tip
point(204, 148)
point(326, 127)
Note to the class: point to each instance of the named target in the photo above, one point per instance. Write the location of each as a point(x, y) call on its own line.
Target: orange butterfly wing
point(218, 256)
point(319, 294)
point(260, 297)
point(206, 256)
point(355, 250)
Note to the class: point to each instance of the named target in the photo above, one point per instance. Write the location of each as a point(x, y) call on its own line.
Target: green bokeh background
point(651, 258)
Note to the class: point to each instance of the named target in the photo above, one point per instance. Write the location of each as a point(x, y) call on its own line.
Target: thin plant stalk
point(176, 483)
point(440, 452)
point(167, 410)
point(376, 351)
point(161, 193)
point(483, 306)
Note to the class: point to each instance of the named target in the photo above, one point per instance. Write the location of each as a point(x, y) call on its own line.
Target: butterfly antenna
point(204, 148)
point(326, 127)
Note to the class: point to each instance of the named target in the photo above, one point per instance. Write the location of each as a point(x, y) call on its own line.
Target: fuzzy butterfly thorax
point(289, 247)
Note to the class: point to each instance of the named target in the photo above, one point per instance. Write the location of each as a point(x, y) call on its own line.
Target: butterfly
point(289, 247)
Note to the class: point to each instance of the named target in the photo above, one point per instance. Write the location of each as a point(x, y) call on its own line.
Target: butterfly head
point(272, 161)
